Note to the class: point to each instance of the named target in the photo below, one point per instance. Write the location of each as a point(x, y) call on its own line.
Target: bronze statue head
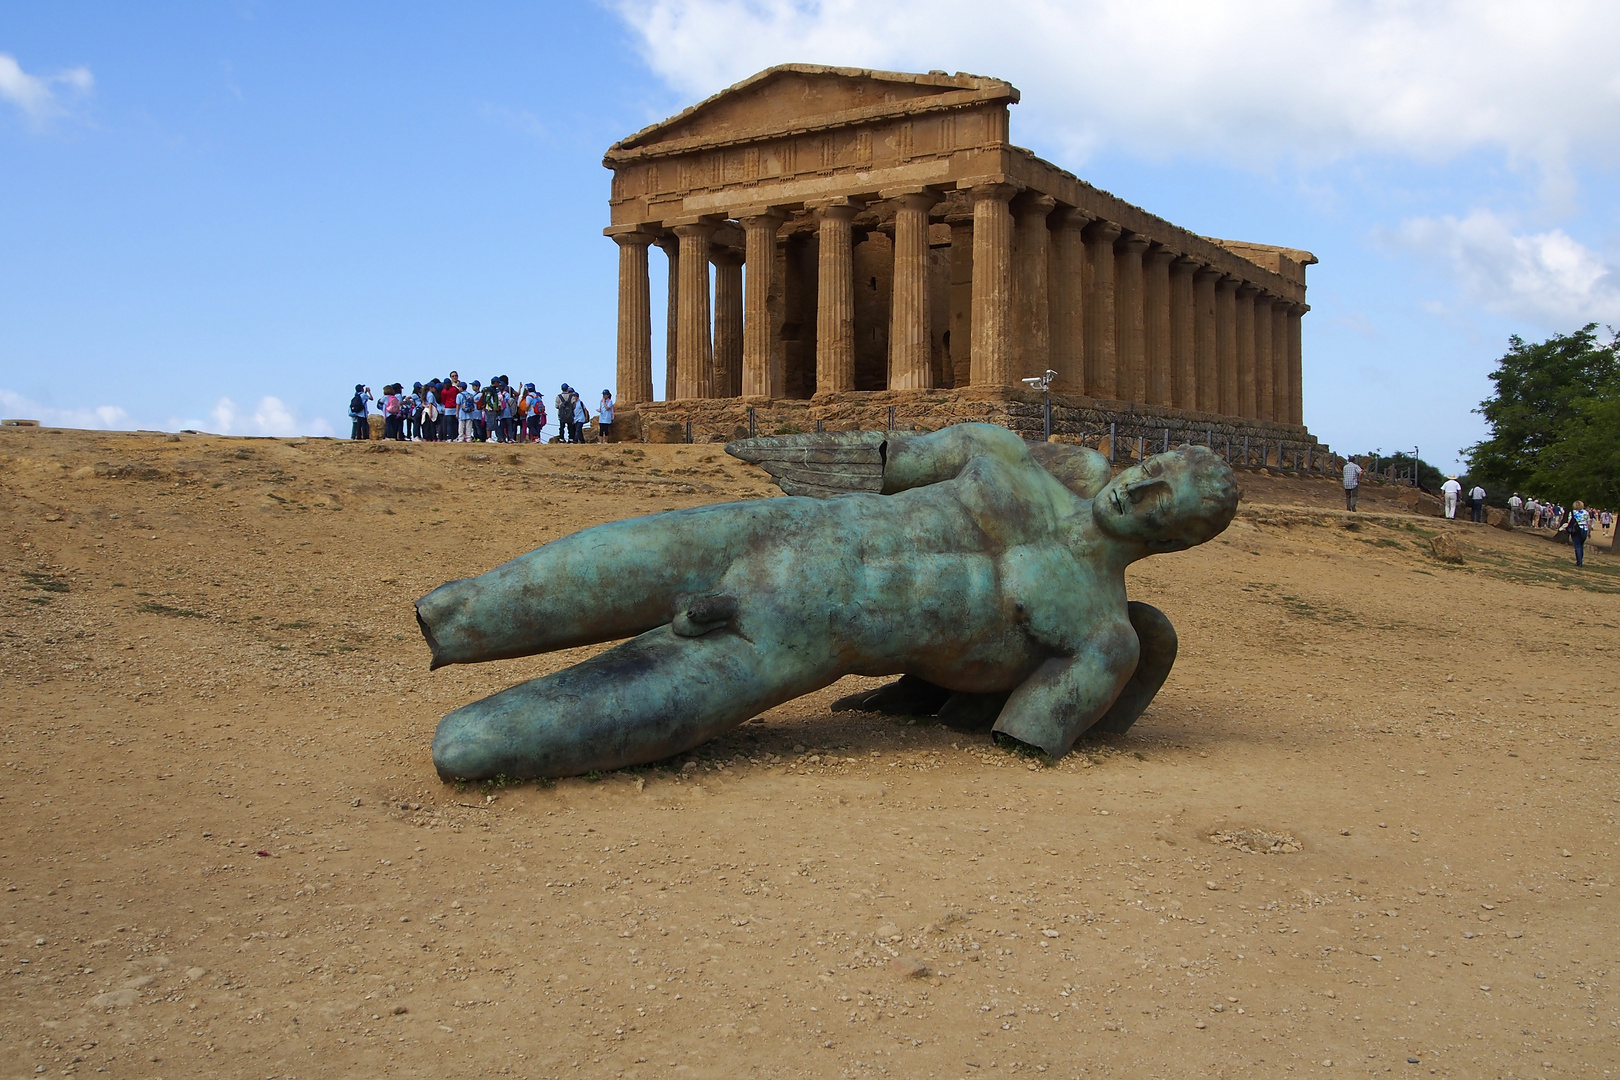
point(1170, 501)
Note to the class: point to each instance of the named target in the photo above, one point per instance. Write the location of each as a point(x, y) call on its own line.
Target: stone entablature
point(874, 231)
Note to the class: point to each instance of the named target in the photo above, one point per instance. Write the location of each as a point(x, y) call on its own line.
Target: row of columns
point(1116, 315)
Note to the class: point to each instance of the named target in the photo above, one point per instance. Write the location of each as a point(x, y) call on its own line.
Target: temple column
point(670, 245)
point(1032, 306)
point(1130, 374)
point(910, 315)
point(728, 322)
point(1101, 354)
point(1280, 395)
point(1156, 324)
point(634, 372)
point(1296, 399)
point(835, 299)
point(961, 321)
point(992, 285)
point(1207, 339)
point(1243, 329)
point(694, 349)
point(1065, 288)
point(1262, 356)
point(1226, 344)
point(1183, 335)
point(762, 374)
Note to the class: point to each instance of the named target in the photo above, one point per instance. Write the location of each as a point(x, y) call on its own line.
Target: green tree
point(1552, 419)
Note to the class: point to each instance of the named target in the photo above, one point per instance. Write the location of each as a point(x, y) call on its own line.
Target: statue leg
point(645, 699)
point(600, 584)
point(1158, 641)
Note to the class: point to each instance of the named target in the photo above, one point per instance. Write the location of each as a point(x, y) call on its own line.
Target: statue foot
point(973, 712)
point(909, 696)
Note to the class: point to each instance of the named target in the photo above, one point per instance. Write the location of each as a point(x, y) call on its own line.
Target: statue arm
point(912, 461)
point(1067, 694)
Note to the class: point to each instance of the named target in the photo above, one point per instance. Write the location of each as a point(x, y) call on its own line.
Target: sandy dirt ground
point(1368, 827)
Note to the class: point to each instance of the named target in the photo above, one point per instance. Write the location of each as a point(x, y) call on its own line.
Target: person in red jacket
point(447, 415)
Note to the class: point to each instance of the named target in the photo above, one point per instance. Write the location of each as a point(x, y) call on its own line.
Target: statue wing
point(822, 464)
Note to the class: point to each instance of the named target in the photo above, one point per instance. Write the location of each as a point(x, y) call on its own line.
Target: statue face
point(1170, 501)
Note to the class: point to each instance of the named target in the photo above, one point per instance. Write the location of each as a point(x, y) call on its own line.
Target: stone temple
point(882, 255)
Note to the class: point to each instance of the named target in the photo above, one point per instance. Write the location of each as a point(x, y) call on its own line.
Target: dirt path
point(1371, 820)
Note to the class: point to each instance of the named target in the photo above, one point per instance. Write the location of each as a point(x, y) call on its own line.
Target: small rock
point(114, 999)
point(1049, 933)
point(1567, 853)
point(195, 973)
point(400, 1010)
point(690, 766)
point(908, 967)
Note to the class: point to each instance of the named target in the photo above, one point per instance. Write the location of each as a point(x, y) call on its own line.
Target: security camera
point(1037, 383)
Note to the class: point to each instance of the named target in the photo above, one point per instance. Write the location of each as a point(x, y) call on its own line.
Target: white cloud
point(270, 416)
point(1252, 81)
point(1547, 277)
point(35, 96)
point(96, 417)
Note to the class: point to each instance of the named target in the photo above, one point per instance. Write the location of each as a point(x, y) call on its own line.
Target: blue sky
point(223, 215)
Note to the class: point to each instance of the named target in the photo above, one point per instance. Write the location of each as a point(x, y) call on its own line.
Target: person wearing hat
point(1515, 504)
point(359, 427)
point(565, 413)
point(467, 410)
point(1450, 490)
point(448, 393)
point(604, 417)
point(535, 418)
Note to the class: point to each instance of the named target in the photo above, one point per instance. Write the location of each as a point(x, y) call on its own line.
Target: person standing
point(1515, 504)
point(537, 413)
point(1476, 503)
point(565, 413)
point(1607, 520)
point(604, 418)
point(1449, 491)
point(360, 426)
point(1578, 524)
point(448, 394)
point(1352, 482)
point(430, 415)
point(466, 406)
point(581, 418)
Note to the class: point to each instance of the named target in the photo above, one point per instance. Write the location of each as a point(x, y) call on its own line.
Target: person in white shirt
point(1450, 490)
point(1352, 484)
point(1515, 504)
point(1476, 503)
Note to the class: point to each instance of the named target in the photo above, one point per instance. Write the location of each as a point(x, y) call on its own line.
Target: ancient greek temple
point(875, 240)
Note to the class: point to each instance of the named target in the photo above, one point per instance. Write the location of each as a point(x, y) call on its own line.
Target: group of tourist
point(451, 410)
point(1575, 521)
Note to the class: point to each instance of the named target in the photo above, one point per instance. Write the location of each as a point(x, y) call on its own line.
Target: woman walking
point(1577, 524)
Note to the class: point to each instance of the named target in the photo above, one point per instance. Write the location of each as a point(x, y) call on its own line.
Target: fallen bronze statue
point(987, 572)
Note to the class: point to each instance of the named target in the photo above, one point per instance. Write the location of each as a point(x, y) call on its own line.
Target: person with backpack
point(466, 406)
point(390, 411)
point(537, 413)
point(1578, 523)
point(489, 404)
point(359, 423)
point(565, 413)
point(581, 418)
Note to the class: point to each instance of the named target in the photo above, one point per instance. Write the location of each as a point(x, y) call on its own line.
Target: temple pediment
point(807, 97)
